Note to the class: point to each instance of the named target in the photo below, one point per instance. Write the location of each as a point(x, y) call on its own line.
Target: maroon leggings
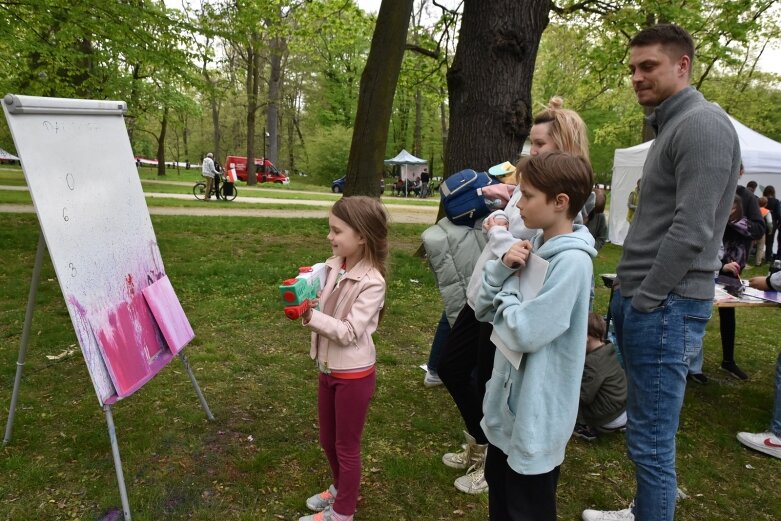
point(342, 405)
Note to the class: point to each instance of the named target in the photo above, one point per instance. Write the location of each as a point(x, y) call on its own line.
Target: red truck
point(265, 171)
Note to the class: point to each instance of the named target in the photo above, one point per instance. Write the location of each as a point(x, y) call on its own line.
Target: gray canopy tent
point(411, 166)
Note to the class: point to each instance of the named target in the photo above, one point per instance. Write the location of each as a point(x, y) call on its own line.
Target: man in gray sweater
point(665, 275)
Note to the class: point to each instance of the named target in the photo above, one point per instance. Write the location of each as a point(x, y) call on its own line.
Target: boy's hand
point(517, 255)
point(758, 283)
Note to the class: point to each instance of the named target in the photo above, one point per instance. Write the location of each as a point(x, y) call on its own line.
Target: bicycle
point(226, 191)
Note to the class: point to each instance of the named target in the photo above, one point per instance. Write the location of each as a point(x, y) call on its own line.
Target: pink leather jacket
point(344, 341)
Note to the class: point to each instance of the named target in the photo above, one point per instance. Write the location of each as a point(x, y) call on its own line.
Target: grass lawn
point(260, 460)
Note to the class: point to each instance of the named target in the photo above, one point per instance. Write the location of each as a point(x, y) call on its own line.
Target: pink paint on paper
point(132, 345)
point(169, 314)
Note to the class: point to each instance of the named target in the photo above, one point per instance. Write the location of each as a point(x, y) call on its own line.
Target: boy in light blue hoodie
point(529, 412)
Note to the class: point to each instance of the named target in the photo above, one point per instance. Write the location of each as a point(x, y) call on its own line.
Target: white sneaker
point(431, 379)
point(473, 482)
point(458, 460)
point(766, 442)
point(604, 515)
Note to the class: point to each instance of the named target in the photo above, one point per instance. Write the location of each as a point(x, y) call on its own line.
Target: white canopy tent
point(412, 166)
point(761, 162)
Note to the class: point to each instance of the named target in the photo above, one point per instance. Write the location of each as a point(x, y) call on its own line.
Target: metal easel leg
point(112, 434)
point(28, 320)
point(204, 405)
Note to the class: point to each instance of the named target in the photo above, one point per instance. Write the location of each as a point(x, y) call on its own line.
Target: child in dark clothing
point(603, 388)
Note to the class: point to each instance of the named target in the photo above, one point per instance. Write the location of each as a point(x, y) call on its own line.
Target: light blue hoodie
point(529, 413)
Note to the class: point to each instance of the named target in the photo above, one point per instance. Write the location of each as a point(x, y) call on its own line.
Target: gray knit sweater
point(686, 194)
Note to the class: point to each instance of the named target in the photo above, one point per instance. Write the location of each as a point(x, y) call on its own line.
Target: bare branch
point(422, 50)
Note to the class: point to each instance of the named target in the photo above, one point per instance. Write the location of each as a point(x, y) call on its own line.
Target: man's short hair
point(555, 173)
point(675, 39)
point(751, 184)
point(210, 155)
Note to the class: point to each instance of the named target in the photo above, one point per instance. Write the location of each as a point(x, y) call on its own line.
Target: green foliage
point(328, 150)
point(105, 50)
point(332, 40)
point(755, 102)
point(583, 57)
point(188, 62)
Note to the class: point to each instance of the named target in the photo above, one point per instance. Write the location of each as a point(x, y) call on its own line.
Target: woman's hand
point(517, 255)
point(732, 268)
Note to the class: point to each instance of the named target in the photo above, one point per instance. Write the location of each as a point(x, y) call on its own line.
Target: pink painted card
point(132, 346)
point(169, 314)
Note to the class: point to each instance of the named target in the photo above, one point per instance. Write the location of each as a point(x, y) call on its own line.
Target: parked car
point(265, 171)
point(337, 185)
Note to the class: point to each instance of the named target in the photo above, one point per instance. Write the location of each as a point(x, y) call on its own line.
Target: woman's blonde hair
point(567, 129)
point(367, 216)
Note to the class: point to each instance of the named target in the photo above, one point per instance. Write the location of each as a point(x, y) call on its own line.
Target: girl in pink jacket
point(350, 307)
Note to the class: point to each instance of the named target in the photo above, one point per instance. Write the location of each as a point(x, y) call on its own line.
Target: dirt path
point(398, 213)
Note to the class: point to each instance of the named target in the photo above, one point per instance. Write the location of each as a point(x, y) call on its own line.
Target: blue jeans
point(775, 426)
point(696, 362)
point(443, 330)
point(657, 347)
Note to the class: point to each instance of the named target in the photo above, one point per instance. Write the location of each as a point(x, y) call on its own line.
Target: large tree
point(375, 100)
point(489, 84)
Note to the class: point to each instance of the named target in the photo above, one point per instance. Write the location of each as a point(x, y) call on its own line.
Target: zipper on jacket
point(465, 214)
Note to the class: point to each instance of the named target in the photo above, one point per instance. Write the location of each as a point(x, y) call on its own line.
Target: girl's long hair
point(367, 216)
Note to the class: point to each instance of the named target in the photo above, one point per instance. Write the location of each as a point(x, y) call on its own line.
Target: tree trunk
point(489, 85)
point(291, 142)
point(213, 103)
point(375, 99)
point(161, 144)
point(216, 132)
point(277, 49)
point(253, 87)
point(417, 146)
point(186, 140)
point(443, 122)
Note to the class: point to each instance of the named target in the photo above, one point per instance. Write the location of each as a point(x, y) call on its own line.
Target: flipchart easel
point(129, 329)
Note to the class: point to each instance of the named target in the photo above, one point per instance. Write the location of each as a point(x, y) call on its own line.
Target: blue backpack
point(462, 196)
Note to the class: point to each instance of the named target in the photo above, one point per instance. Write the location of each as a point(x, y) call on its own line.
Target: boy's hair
point(366, 216)
point(596, 325)
point(556, 173)
point(762, 201)
point(567, 129)
point(675, 40)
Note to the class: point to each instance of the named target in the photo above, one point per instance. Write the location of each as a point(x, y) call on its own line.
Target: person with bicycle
point(210, 173)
